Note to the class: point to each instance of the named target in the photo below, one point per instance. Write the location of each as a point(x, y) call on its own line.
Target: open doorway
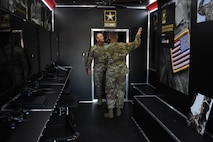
point(123, 37)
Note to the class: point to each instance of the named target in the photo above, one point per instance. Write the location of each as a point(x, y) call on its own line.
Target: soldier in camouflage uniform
point(96, 52)
point(116, 71)
point(206, 10)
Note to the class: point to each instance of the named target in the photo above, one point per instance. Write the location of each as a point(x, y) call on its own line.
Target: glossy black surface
point(93, 127)
point(25, 116)
point(29, 130)
point(145, 89)
point(161, 121)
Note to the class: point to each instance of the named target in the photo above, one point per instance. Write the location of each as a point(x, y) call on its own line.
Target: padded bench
point(144, 88)
point(162, 122)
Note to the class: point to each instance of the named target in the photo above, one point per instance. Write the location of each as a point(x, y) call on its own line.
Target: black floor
point(93, 127)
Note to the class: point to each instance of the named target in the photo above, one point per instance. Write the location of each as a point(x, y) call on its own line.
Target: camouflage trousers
point(99, 82)
point(115, 90)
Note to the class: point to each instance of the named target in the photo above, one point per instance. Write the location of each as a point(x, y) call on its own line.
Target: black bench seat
point(162, 122)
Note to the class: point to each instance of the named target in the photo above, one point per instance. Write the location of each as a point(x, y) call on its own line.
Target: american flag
point(180, 53)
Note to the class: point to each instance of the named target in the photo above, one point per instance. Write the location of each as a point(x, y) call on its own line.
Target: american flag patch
point(180, 53)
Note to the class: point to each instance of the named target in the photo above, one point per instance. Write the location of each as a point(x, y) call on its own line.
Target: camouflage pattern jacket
point(116, 55)
point(98, 54)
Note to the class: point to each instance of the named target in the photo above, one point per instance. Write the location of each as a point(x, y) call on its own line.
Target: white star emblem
point(110, 16)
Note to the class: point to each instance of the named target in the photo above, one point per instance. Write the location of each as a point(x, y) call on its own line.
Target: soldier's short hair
point(97, 34)
point(113, 34)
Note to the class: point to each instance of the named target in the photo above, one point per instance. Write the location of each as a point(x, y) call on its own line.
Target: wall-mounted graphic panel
point(174, 49)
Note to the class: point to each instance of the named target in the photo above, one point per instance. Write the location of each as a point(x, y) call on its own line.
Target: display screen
point(6, 74)
point(44, 49)
point(14, 64)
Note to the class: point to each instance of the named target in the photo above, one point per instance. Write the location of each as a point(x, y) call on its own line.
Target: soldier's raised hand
point(139, 30)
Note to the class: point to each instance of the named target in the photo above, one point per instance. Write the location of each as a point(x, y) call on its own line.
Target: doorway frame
point(93, 30)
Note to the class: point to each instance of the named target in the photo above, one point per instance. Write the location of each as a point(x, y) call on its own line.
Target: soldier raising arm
point(116, 71)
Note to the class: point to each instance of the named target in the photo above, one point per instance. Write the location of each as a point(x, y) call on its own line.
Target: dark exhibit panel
point(6, 73)
point(22, 55)
point(20, 60)
point(201, 75)
point(54, 47)
point(31, 46)
point(30, 42)
point(15, 60)
point(152, 76)
point(75, 40)
point(44, 48)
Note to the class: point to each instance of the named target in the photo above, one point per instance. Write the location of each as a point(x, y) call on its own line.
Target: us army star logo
point(110, 16)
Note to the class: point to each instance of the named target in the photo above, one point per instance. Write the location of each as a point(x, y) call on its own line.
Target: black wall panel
point(201, 59)
point(54, 46)
point(44, 47)
point(74, 27)
point(31, 46)
point(30, 39)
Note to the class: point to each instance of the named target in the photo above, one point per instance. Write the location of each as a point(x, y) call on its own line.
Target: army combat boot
point(109, 114)
point(118, 112)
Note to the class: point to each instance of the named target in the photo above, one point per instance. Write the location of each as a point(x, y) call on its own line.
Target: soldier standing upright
point(206, 10)
point(96, 52)
point(116, 71)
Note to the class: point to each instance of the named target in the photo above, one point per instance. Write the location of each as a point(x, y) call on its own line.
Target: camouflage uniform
point(97, 53)
point(117, 70)
point(206, 10)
